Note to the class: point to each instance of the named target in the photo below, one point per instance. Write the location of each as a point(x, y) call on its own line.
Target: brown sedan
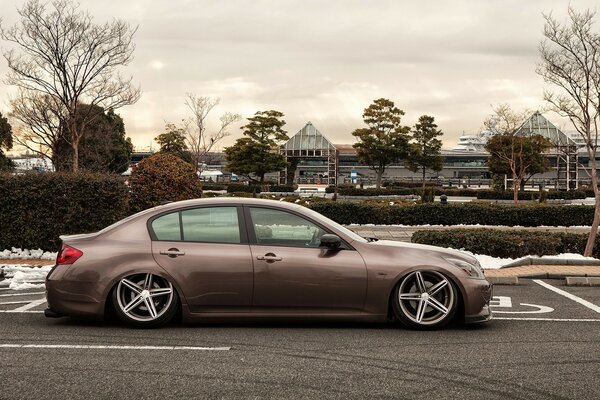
point(237, 258)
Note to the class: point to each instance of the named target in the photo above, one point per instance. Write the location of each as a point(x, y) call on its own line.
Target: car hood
point(439, 251)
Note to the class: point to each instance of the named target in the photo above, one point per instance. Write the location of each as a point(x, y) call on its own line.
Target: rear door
point(293, 274)
point(205, 250)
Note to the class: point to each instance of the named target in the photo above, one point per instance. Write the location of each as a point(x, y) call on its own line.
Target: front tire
point(425, 299)
point(145, 300)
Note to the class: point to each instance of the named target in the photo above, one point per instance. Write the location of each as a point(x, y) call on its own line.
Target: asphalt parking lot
point(543, 343)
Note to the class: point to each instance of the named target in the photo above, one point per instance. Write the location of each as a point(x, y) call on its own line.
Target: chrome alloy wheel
point(144, 297)
point(426, 297)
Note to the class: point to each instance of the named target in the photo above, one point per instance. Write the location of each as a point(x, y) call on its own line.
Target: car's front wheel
point(145, 300)
point(425, 300)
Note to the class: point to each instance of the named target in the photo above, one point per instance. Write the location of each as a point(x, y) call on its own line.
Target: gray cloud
point(326, 61)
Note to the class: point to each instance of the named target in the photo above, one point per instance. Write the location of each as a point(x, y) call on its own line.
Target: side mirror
point(330, 241)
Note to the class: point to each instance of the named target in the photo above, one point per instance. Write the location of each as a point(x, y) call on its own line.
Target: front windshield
point(337, 226)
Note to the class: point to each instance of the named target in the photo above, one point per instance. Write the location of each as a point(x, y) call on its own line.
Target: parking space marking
point(107, 347)
point(568, 295)
point(32, 304)
point(501, 301)
point(6, 303)
point(506, 302)
point(20, 312)
point(20, 294)
point(547, 319)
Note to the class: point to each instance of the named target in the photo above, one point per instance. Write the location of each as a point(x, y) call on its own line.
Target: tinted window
point(284, 228)
point(166, 227)
point(211, 224)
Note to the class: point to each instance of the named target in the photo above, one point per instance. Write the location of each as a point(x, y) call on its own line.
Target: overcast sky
point(325, 61)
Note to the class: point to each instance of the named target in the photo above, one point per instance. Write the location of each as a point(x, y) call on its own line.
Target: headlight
point(474, 270)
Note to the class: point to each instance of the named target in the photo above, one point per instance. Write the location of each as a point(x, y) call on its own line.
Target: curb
point(582, 281)
point(529, 260)
point(503, 280)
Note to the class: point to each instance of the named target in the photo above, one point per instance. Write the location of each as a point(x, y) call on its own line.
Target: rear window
point(206, 224)
point(166, 227)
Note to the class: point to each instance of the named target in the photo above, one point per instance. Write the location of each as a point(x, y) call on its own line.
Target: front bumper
point(477, 302)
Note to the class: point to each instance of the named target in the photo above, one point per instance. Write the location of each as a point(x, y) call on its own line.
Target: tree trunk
point(516, 186)
point(589, 247)
point(74, 143)
point(378, 181)
point(423, 179)
point(75, 159)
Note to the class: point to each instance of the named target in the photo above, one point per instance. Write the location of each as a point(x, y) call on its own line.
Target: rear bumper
point(73, 298)
point(50, 313)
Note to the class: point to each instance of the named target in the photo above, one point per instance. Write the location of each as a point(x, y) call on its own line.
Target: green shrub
point(536, 214)
point(506, 195)
point(506, 243)
point(427, 195)
point(410, 184)
point(162, 177)
point(213, 186)
point(281, 188)
point(238, 187)
point(36, 208)
point(567, 194)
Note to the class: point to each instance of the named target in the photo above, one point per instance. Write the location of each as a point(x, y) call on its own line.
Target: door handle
point(172, 253)
point(269, 257)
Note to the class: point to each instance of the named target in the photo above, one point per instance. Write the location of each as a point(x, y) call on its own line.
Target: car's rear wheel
point(145, 300)
point(425, 300)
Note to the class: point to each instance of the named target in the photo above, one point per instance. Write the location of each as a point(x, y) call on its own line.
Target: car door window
point(166, 227)
point(211, 224)
point(276, 227)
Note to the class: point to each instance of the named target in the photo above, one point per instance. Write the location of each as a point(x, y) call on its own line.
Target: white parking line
point(548, 319)
point(568, 295)
point(32, 304)
point(20, 294)
point(107, 347)
point(6, 303)
point(20, 312)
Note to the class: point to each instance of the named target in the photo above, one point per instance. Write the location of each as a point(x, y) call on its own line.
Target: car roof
point(228, 201)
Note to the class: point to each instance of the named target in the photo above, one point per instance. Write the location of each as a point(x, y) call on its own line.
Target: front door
point(205, 250)
point(292, 273)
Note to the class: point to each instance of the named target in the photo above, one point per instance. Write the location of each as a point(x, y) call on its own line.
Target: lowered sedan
point(247, 258)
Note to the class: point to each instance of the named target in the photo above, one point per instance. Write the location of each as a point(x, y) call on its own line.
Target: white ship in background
point(473, 143)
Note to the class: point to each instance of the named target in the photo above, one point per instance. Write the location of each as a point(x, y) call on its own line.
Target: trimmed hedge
point(36, 208)
point(481, 194)
point(506, 244)
point(213, 186)
point(238, 188)
point(346, 212)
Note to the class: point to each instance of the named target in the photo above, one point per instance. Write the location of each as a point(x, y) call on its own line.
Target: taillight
point(68, 255)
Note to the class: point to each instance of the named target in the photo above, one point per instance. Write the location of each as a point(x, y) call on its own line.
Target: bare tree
point(199, 141)
point(37, 119)
point(66, 56)
point(570, 61)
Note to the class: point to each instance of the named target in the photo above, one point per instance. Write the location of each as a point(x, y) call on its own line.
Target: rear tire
point(145, 300)
point(425, 299)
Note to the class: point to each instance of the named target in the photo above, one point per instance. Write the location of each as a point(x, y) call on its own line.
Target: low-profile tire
point(145, 300)
point(425, 299)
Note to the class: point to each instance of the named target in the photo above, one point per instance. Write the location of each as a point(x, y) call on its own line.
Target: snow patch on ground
point(23, 276)
point(25, 254)
point(489, 262)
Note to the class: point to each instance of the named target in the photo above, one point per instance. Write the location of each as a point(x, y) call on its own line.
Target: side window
point(166, 227)
point(211, 224)
point(276, 227)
